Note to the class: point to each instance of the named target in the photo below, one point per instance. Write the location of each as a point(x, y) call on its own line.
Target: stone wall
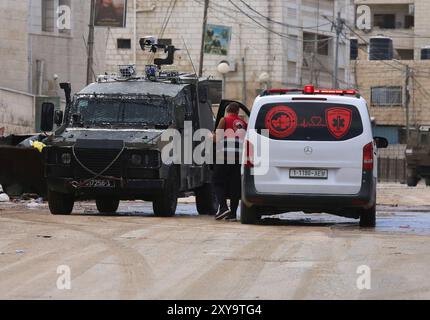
point(13, 44)
point(16, 112)
point(389, 73)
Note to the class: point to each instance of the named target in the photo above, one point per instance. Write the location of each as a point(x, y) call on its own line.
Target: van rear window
point(311, 121)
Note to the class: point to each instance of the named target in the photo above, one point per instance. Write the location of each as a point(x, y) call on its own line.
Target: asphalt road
point(137, 256)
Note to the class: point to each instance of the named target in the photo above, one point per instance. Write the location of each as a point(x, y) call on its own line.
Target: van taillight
point(368, 157)
point(249, 154)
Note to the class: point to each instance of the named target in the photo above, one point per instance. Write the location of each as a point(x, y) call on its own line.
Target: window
point(48, 15)
point(310, 121)
point(68, 4)
point(313, 42)
point(425, 54)
point(409, 22)
point(323, 45)
point(386, 96)
point(215, 91)
point(353, 49)
point(384, 21)
point(124, 43)
point(405, 54)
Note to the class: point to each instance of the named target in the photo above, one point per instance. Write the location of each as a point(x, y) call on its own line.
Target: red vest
point(231, 149)
point(234, 122)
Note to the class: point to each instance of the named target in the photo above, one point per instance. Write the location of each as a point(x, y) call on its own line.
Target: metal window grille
point(386, 96)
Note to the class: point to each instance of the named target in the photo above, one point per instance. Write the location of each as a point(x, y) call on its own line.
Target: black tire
point(206, 201)
point(368, 218)
point(248, 215)
point(105, 205)
point(412, 181)
point(60, 203)
point(165, 204)
point(427, 181)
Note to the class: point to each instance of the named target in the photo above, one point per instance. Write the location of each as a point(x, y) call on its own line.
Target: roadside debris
point(35, 203)
point(3, 196)
point(44, 236)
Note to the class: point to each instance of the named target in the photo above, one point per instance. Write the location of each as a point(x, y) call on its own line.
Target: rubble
point(3, 196)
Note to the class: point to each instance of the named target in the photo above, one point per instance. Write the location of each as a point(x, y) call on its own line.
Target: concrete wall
point(13, 44)
point(16, 112)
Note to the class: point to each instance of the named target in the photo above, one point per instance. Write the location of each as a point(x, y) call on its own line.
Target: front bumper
point(365, 198)
point(124, 189)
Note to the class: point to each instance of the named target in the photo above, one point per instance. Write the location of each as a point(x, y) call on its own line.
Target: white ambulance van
point(321, 155)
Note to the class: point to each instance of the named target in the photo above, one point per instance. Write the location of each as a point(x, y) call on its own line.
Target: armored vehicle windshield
point(132, 103)
point(150, 112)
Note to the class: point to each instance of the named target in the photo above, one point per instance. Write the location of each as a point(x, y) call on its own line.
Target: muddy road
point(136, 256)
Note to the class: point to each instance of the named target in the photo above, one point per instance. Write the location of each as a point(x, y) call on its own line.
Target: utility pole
point(407, 100)
point(202, 48)
point(90, 56)
point(339, 28)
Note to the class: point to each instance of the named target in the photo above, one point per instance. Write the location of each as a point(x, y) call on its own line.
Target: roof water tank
point(380, 48)
point(425, 53)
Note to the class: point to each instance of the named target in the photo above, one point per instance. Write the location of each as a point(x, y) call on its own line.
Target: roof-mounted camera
point(153, 44)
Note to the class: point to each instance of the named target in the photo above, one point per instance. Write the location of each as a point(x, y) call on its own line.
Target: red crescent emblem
point(238, 124)
point(338, 121)
point(281, 121)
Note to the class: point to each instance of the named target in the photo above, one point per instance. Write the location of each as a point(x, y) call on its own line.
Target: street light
point(223, 68)
point(264, 79)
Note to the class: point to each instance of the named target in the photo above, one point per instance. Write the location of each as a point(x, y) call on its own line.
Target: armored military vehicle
point(108, 146)
point(418, 156)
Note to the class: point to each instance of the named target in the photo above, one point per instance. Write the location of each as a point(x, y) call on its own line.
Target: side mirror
point(381, 142)
point(67, 91)
point(47, 117)
point(58, 117)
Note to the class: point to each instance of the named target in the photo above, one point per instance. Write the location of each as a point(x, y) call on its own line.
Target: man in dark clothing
point(227, 176)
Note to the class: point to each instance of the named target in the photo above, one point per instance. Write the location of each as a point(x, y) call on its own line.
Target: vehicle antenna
point(196, 75)
point(189, 56)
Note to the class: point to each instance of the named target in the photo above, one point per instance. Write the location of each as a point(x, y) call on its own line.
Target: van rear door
point(316, 147)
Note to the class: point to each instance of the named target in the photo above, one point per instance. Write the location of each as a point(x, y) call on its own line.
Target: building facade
point(271, 43)
point(36, 55)
point(398, 87)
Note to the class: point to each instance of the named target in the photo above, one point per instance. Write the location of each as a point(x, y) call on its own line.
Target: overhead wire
point(279, 22)
point(282, 35)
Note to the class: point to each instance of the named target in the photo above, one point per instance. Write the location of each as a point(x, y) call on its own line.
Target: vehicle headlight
point(409, 151)
point(66, 158)
point(136, 160)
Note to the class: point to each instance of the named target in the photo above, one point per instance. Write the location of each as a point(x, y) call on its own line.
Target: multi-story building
point(396, 84)
point(36, 56)
point(269, 42)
